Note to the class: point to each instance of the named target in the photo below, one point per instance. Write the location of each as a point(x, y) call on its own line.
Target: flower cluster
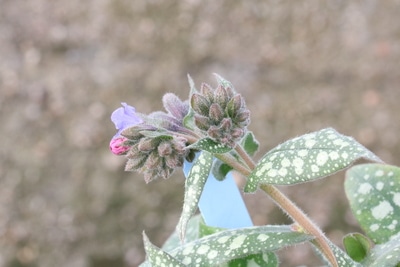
point(150, 142)
point(221, 113)
point(157, 143)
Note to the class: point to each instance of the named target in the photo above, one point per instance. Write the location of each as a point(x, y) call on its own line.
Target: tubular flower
point(125, 117)
point(117, 146)
point(221, 113)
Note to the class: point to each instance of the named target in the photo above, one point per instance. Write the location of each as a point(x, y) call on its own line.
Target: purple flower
point(124, 117)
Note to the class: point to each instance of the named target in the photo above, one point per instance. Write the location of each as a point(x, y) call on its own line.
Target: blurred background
point(66, 201)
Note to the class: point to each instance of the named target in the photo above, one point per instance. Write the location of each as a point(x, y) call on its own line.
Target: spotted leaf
point(342, 258)
point(158, 257)
point(267, 259)
point(385, 255)
point(193, 188)
point(224, 246)
point(373, 191)
point(211, 146)
point(306, 158)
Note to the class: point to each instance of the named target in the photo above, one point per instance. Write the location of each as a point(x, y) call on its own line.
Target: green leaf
point(268, 259)
point(193, 188)
point(192, 233)
point(211, 146)
point(158, 257)
point(385, 255)
point(373, 191)
point(307, 158)
point(227, 245)
point(249, 143)
point(342, 258)
point(188, 120)
point(357, 246)
point(220, 169)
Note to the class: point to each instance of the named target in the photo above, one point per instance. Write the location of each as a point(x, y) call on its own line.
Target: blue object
point(221, 203)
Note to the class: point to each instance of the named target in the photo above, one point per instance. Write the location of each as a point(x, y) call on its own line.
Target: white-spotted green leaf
point(192, 233)
point(224, 246)
point(158, 257)
point(373, 191)
point(211, 146)
point(268, 259)
point(193, 188)
point(385, 255)
point(342, 259)
point(306, 158)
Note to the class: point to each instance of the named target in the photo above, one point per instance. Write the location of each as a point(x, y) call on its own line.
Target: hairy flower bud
point(156, 156)
point(221, 113)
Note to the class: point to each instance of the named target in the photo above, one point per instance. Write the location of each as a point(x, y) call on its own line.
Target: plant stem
point(290, 208)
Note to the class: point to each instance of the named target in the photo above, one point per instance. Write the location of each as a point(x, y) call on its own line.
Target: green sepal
point(194, 185)
point(373, 191)
point(306, 158)
point(188, 120)
point(357, 246)
point(211, 146)
point(223, 82)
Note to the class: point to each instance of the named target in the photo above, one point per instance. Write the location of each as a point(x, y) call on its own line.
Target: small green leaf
point(373, 191)
point(211, 146)
point(158, 257)
point(227, 245)
point(385, 255)
point(307, 158)
point(193, 188)
point(357, 246)
point(249, 143)
point(220, 169)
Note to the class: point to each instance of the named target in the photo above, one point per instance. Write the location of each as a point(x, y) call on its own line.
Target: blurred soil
point(66, 65)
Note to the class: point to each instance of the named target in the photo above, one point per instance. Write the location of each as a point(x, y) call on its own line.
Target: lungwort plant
point(207, 137)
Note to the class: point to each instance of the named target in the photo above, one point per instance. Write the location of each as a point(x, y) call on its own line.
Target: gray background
point(66, 65)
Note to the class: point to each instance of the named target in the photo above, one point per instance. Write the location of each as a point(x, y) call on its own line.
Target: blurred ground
point(66, 65)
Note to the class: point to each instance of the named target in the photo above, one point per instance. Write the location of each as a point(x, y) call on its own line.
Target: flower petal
point(125, 117)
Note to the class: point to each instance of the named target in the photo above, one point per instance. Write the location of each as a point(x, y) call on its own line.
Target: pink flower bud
point(117, 147)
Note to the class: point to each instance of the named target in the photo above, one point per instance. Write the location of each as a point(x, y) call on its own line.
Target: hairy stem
point(290, 208)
